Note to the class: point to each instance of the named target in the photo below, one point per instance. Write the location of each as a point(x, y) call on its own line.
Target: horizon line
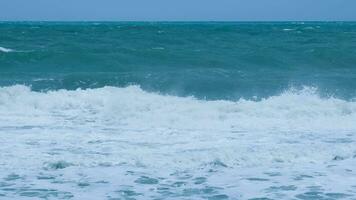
point(192, 21)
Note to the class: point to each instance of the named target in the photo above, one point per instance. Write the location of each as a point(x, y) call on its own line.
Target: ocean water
point(178, 110)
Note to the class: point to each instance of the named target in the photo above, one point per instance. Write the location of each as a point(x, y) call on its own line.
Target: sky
point(178, 10)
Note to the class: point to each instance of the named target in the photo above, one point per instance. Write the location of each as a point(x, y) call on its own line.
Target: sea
point(178, 110)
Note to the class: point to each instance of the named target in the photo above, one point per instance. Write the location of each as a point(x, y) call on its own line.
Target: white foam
point(6, 50)
point(103, 133)
point(158, 118)
point(292, 110)
point(288, 29)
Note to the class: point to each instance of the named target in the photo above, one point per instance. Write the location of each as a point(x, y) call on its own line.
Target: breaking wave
point(133, 108)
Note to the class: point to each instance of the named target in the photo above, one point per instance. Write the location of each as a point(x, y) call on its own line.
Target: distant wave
point(6, 50)
point(288, 29)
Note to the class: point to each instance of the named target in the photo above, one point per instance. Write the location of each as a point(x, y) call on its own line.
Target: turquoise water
point(177, 110)
point(206, 60)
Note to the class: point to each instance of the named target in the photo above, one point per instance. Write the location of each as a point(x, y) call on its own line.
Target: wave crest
point(5, 50)
point(133, 108)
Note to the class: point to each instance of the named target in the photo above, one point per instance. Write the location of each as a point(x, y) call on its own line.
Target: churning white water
point(125, 143)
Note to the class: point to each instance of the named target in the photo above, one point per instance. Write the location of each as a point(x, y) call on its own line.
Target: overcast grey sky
point(178, 10)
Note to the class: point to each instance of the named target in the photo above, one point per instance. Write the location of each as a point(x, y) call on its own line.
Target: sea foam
point(119, 142)
point(291, 110)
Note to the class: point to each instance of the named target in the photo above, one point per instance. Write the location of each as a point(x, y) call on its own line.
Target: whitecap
point(288, 29)
point(5, 50)
point(43, 79)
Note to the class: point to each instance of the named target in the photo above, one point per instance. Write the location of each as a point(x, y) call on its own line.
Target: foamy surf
point(292, 110)
point(125, 143)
